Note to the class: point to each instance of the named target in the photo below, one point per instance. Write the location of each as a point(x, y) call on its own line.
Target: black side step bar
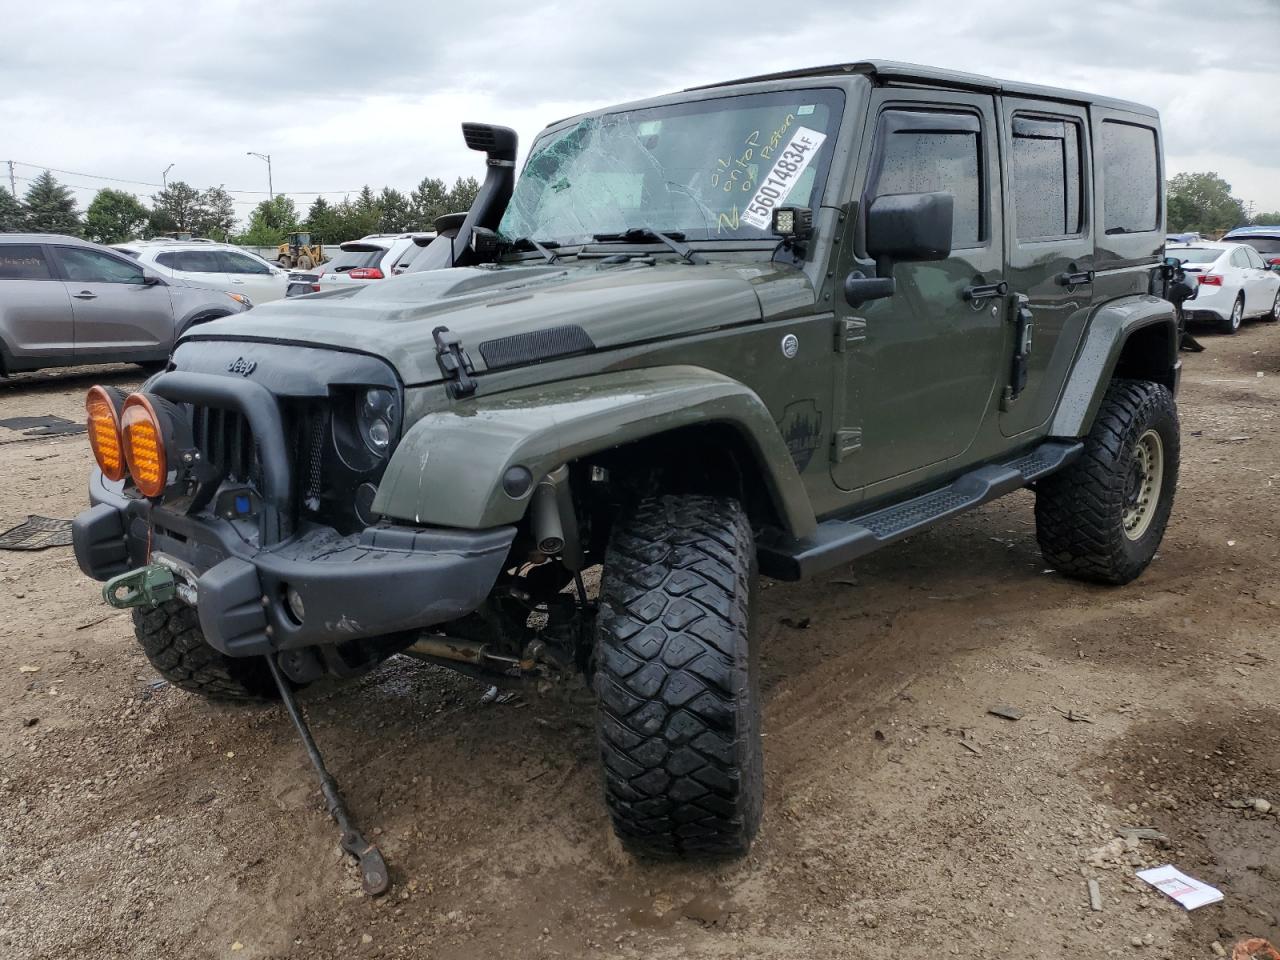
point(839, 541)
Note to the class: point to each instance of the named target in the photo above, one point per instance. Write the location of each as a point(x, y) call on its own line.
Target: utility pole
point(164, 176)
point(13, 184)
point(271, 195)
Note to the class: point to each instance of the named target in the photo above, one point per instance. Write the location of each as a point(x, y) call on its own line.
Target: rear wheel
point(1102, 518)
point(676, 676)
point(1233, 321)
point(171, 638)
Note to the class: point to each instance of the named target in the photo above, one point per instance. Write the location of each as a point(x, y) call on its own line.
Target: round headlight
point(379, 418)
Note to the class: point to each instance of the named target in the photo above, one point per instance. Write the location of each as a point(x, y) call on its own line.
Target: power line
point(148, 183)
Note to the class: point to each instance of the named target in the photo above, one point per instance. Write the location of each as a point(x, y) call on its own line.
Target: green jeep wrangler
point(756, 328)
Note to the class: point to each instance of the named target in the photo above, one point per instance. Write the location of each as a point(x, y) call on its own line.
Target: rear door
point(1049, 238)
point(1261, 286)
point(252, 277)
point(36, 319)
point(201, 267)
point(116, 313)
point(923, 363)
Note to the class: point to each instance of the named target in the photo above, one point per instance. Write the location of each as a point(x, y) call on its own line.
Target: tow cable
point(374, 877)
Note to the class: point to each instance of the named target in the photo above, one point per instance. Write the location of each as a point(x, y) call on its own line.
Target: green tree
point(394, 214)
point(215, 215)
point(50, 207)
point(429, 199)
point(1266, 219)
point(462, 194)
point(175, 209)
point(1202, 203)
point(270, 221)
point(322, 221)
point(12, 213)
point(115, 216)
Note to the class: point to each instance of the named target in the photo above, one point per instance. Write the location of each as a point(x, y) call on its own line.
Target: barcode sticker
point(791, 164)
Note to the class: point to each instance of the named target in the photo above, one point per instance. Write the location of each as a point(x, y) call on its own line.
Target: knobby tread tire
point(171, 638)
point(1080, 509)
point(676, 678)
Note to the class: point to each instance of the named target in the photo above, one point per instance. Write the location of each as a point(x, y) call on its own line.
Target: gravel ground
point(903, 820)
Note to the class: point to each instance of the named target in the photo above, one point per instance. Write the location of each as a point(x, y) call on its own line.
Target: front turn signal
point(103, 407)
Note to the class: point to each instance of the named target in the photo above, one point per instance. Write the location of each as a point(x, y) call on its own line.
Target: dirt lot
point(903, 820)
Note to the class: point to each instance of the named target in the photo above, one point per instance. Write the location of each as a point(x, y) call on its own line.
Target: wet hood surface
point(614, 304)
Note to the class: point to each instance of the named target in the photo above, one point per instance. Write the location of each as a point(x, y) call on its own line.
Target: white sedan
point(1233, 284)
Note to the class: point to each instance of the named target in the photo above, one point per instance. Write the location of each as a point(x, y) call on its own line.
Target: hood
point(614, 304)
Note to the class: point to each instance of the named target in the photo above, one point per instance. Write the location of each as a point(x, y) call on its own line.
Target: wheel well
point(1149, 354)
point(710, 458)
point(203, 318)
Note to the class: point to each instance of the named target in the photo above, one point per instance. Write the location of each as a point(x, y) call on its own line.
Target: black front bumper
point(384, 580)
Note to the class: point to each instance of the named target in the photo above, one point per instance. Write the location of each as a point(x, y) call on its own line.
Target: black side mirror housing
point(910, 226)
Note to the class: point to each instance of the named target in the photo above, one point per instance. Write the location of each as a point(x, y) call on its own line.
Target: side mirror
point(910, 226)
point(150, 279)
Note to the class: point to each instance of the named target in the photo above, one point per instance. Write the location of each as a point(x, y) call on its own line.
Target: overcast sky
point(343, 94)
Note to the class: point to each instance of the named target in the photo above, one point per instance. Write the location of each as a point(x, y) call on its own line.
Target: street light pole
point(164, 176)
point(271, 194)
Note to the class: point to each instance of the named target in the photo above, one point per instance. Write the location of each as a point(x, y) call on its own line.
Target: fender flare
point(448, 467)
point(1110, 329)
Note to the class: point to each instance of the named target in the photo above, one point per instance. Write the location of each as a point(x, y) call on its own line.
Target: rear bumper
point(384, 580)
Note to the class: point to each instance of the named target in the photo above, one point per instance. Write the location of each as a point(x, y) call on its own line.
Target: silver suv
point(65, 301)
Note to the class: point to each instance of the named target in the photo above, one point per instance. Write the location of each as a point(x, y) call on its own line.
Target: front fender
point(1110, 330)
point(449, 466)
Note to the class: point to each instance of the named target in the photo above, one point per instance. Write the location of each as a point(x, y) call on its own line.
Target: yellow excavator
point(298, 251)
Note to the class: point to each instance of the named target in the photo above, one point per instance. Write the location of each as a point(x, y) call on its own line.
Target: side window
point(169, 260)
point(1046, 178)
point(198, 261)
point(23, 261)
point(91, 266)
point(926, 153)
point(1130, 172)
point(1238, 258)
point(1255, 261)
point(239, 263)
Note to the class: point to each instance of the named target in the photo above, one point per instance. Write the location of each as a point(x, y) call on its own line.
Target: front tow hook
point(374, 877)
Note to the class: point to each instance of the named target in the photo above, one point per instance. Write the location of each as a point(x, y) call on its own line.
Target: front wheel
point(170, 636)
point(677, 680)
point(1103, 516)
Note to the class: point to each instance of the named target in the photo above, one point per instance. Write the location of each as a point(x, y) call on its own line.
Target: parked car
point(764, 326)
point(1234, 284)
point(66, 301)
point(210, 264)
point(375, 257)
point(1182, 238)
point(1266, 240)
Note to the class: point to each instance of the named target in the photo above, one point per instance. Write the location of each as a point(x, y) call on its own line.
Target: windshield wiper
point(673, 240)
point(529, 243)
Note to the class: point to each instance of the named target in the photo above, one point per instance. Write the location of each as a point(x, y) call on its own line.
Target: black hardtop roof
point(892, 71)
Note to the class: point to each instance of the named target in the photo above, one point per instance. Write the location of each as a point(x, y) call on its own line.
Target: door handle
point(983, 291)
point(85, 295)
point(1069, 279)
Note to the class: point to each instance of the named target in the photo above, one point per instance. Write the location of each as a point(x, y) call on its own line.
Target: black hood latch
point(454, 362)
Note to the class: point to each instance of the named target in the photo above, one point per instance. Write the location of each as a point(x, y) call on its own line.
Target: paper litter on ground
point(1176, 884)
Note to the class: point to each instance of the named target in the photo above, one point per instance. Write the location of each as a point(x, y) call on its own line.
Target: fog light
point(295, 604)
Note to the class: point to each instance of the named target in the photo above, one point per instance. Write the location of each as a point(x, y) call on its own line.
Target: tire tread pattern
point(171, 638)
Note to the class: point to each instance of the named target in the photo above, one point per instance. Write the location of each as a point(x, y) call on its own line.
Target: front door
point(1049, 236)
point(116, 313)
point(252, 277)
point(921, 366)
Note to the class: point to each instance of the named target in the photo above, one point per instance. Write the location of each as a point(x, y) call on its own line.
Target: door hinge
point(1023, 329)
point(850, 330)
point(845, 443)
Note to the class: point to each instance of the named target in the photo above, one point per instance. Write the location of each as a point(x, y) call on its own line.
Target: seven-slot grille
point(226, 442)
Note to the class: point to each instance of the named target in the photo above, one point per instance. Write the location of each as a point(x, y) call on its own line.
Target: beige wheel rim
point(1142, 486)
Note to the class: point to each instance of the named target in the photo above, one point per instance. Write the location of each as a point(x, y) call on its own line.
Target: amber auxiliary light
point(144, 445)
point(102, 407)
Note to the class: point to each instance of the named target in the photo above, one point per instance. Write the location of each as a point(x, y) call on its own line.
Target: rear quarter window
point(19, 261)
point(1131, 178)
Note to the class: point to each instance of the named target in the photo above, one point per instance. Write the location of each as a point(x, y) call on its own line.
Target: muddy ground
point(903, 819)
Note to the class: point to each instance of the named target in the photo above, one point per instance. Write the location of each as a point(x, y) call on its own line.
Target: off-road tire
point(1080, 510)
point(171, 638)
point(677, 679)
point(1272, 315)
point(1232, 322)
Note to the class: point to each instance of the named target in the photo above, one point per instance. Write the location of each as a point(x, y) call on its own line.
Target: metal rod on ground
point(374, 876)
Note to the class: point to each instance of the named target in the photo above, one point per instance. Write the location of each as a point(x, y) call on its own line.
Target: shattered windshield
point(708, 169)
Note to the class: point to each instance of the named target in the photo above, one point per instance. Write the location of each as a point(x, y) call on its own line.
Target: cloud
point(344, 94)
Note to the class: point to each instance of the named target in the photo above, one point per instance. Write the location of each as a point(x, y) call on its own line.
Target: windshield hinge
point(454, 363)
